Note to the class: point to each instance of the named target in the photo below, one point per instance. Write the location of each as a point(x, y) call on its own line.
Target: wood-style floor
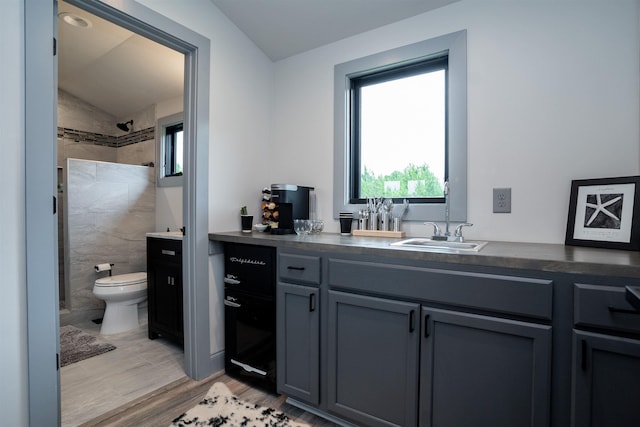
point(162, 406)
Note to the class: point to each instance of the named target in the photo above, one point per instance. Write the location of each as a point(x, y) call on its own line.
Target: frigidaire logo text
point(247, 261)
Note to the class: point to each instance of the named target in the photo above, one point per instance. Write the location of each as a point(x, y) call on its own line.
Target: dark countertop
point(530, 256)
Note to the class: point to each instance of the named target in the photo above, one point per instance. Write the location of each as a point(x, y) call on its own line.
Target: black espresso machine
point(292, 202)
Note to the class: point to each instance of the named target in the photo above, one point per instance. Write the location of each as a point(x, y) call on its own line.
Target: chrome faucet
point(457, 235)
point(437, 234)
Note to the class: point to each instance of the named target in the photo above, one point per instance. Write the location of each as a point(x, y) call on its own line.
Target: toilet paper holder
point(104, 267)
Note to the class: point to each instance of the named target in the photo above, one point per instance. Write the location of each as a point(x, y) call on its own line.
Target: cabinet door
point(606, 380)
point(298, 342)
point(483, 371)
point(373, 360)
point(165, 301)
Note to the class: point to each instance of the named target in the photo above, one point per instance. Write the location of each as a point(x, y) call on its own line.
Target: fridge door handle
point(249, 368)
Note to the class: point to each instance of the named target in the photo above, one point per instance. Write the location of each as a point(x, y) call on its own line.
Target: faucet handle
point(458, 232)
point(436, 229)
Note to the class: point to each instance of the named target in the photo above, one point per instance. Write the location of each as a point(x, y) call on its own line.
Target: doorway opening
point(41, 225)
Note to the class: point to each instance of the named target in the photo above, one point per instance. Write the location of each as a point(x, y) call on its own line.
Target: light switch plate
point(502, 200)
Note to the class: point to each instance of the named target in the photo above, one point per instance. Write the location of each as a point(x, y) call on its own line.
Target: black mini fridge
point(250, 314)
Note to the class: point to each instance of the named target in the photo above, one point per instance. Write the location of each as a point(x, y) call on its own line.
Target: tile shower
point(109, 209)
point(106, 198)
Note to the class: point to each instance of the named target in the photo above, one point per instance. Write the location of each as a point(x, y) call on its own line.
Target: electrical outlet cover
point(502, 200)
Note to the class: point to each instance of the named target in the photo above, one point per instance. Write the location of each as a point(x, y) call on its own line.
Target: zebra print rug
point(221, 408)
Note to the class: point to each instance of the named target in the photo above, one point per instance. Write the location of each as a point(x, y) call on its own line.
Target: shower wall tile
point(71, 149)
point(141, 120)
point(141, 200)
point(138, 154)
point(110, 209)
point(75, 113)
point(117, 172)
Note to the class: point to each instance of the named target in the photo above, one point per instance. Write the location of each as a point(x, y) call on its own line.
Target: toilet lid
point(123, 279)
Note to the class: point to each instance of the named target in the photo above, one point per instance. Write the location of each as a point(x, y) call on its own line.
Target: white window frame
point(161, 126)
point(455, 46)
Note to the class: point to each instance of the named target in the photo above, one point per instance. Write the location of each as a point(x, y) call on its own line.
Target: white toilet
point(121, 293)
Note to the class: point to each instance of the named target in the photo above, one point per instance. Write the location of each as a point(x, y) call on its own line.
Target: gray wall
point(109, 209)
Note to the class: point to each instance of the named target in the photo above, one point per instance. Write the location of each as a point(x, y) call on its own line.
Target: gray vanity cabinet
point(373, 359)
point(477, 370)
point(606, 358)
point(298, 340)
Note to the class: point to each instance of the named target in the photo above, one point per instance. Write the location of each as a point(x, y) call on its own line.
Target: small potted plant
point(246, 220)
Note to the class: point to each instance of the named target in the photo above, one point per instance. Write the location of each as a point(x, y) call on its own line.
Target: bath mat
point(76, 345)
point(221, 408)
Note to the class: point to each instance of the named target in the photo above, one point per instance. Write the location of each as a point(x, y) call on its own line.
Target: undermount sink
point(440, 245)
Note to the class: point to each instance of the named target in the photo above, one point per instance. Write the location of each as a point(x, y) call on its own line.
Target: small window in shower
point(170, 150)
point(173, 150)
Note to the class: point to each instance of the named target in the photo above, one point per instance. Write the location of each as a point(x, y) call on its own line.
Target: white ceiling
point(123, 73)
point(281, 28)
point(114, 69)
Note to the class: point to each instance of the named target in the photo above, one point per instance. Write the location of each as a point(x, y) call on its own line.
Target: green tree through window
point(413, 181)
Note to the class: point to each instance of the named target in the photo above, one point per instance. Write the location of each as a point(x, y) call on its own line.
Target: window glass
point(173, 150)
point(170, 150)
point(400, 138)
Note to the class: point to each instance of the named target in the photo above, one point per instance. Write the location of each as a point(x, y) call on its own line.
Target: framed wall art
point(605, 213)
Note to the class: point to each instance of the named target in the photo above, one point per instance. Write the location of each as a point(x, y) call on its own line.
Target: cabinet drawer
point(604, 307)
point(166, 250)
point(522, 296)
point(299, 268)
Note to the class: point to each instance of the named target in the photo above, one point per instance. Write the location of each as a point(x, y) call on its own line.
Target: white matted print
point(604, 212)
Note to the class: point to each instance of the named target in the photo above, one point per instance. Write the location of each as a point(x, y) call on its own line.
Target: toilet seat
point(128, 279)
point(121, 294)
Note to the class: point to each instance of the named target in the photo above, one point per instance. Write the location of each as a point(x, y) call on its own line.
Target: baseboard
point(319, 413)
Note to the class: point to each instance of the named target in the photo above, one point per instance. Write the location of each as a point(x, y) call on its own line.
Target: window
point(400, 128)
point(173, 150)
point(170, 131)
point(398, 138)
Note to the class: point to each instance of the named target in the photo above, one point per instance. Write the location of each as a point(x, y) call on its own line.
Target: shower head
point(124, 126)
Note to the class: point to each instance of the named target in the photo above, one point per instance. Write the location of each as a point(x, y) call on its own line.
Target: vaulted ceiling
point(281, 28)
point(122, 73)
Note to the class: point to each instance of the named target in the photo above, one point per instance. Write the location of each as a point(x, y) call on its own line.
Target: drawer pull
point(231, 304)
point(168, 252)
point(295, 268)
point(613, 309)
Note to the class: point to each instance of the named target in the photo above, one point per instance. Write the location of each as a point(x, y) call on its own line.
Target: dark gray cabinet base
point(164, 289)
point(298, 342)
point(483, 371)
point(606, 385)
point(373, 359)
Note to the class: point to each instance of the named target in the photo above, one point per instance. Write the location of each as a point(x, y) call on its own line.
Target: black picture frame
point(605, 213)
